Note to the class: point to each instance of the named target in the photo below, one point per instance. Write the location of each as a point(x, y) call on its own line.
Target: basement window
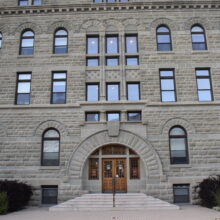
point(49, 195)
point(181, 193)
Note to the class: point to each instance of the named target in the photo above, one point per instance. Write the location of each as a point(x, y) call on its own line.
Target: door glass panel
point(108, 169)
point(120, 169)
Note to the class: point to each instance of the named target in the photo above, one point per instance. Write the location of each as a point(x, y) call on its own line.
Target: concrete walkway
point(186, 213)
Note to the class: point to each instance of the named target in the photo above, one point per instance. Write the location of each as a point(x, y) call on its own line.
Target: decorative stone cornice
point(130, 6)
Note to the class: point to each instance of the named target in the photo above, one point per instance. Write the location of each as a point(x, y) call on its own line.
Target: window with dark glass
point(132, 60)
point(181, 193)
point(50, 148)
point(92, 49)
point(167, 86)
point(97, 1)
point(92, 92)
point(93, 168)
point(133, 91)
point(204, 86)
point(134, 116)
point(0, 40)
point(163, 38)
point(134, 168)
point(36, 2)
point(49, 194)
point(110, 1)
point(27, 43)
point(60, 41)
point(113, 93)
point(178, 146)
point(92, 116)
point(198, 38)
point(22, 2)
point(58, 94)
point(23, 89)
point(113, 116)
point(112, 44)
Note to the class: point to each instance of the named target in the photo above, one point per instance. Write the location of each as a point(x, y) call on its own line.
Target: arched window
point(27, 43)
point(198, 38)
point(60, 41)
point(50, 148)
point(178, 146)
point(0, 40)
point(163, 38)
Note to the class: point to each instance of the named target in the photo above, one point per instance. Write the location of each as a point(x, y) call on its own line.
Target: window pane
point(24, 87)
point(113, 92)
point(59, 75)
point(168, 96)
point(49, 195)
point(23, 99)
point(181, 193)
point(92, 117)
point(198, 38)
point(112, 44)
point(131, 44)
point(113, 116)
point(131, 61)
point(51, 158)
point(134, 116)
point(205, 95)
point(24, 76)
point(163, 38)
point(166, 73)
point(28, 34)
point(23, 2)
point(177, 144)
point(203, 84)
point(199, 46)
point(110, 1)
point(51, 146)
point(92, 45)
point(97, 1)
point(92, 61)
point(60, 49)
point(92, 92)
point(133, 92)
point(177, 131)
point(27, 51)
point(59, 86)
point(61, 33)
point(51, 133)
point(202, 72)
point(37, 2)
point(27, 42)
point(162, 29)
point(164, 46)
point(59, 98)
point(167, 84)
point(61, 41)
point(197, 29)
point(112, 61)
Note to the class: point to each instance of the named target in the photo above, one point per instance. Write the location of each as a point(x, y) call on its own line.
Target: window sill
point(180, 166)
point(49, 168)
point(25, 56)
point(200, 52)
point(165, 52)
point(93, 68)
point(60, 55)
point(112, 67)
point(137, 67)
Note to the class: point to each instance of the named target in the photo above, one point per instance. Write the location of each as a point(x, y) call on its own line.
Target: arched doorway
point(114, 161)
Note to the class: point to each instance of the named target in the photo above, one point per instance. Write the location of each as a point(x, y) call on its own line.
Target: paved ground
point(186, 213)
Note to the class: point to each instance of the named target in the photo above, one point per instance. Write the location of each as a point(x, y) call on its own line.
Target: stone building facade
point(149, 138)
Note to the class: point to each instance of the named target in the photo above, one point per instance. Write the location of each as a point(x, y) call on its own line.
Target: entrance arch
point(142, 147)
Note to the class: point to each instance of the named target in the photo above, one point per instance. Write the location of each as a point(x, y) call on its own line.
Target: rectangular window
point(134, 116)
point(93, 168)
point(97, 1)
point(133, 91)
point(112, 61)
point(112, 44)
point(23, 89)
point(92, 61)
point(113, 93)
point(181, 193)
point(92, 45)
point(58, 88)
point(22, 2)
point(204, 85)
point(132, 61)
point(110, 1)
point(92, 116)
point(131, 44)
point(167, 86)
point(92, 92)
point(134, 168)
point(49, 194)
point(36, 2)
point(113, 116)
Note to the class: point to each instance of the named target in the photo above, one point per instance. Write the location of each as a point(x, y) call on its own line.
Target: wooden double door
point(114, 168)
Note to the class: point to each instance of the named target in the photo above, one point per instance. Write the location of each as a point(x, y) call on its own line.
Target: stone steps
point(103, 202)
